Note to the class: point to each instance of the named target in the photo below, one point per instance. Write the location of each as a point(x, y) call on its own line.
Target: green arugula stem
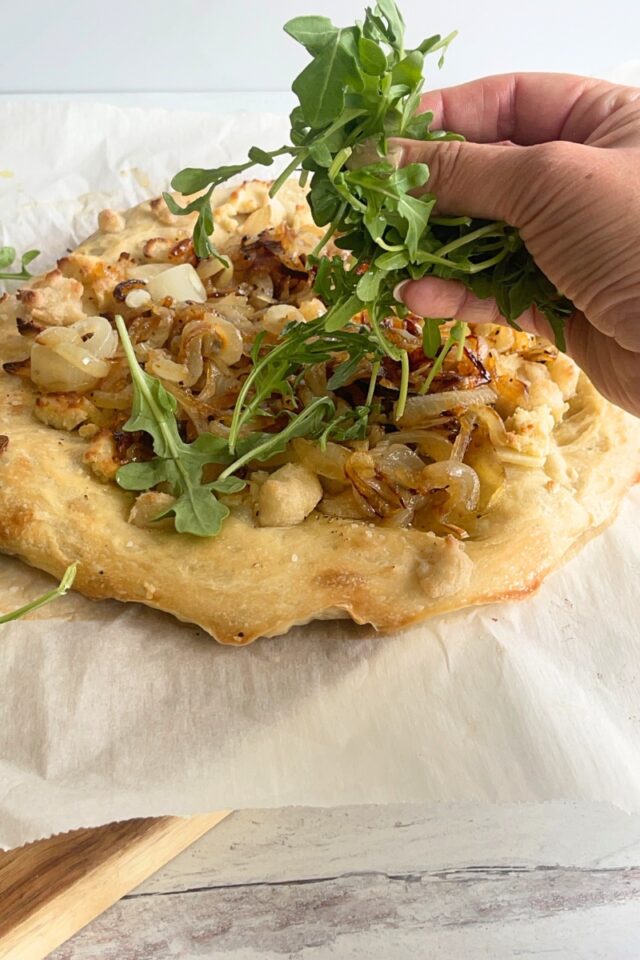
point(331, 229)
point(338, 162)
point(288, 170)
point(463, 336)
point(404, 385)
point(456, 337)
point(8, 255)
point(63, 587)
point(463, 241)
point(375, 369)
point(241, 415)
point(140, 383)
point(291, 429)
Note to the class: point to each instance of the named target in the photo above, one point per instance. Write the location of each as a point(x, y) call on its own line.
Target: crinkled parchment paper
point(111, 711)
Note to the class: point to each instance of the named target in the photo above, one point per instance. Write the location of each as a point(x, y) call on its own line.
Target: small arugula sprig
point(179, 466)
point(8, 256)
point(63, 587)
point(361, 88)
point(303, 345)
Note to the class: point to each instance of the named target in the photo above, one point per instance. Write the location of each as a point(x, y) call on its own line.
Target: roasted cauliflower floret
point(64, 411)
point(97, 278)
point(288, 496)
point(52, 301)
point(101, 456)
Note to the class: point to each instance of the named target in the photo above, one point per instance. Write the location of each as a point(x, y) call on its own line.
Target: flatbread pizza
point(273, 488)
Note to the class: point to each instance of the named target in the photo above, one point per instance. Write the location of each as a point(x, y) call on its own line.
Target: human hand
point(558, 157)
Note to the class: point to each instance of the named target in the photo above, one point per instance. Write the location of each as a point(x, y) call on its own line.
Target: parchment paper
point(111, 711)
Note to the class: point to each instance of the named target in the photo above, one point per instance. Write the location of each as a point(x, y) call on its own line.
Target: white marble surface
point(389, 883)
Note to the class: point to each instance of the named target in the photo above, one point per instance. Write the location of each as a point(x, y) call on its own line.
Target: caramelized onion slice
point(460, 479)
point(181, 283)
point(98, 336)
point(54, 373)
point(419, 409)
point(327, 463)
point(66, 359)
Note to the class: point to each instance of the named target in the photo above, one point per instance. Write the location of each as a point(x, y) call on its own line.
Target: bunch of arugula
point(361, 88)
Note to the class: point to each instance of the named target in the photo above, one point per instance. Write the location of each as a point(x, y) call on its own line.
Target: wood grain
point(52, 888)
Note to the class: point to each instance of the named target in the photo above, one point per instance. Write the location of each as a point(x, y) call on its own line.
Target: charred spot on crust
point(18, 368)
point(28, 328)
point(4, 443)
point(14, 522)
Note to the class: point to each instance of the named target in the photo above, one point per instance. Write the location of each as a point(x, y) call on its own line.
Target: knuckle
point(444, 162)
point(554, 158)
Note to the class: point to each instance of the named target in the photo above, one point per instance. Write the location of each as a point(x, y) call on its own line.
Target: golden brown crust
point(252, 581)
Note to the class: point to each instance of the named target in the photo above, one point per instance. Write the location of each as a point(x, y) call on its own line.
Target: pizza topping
point(288, 496)
point(148, 506)
point(245, 399)
point(73, 358)
point(101, 456)
point(180, 283)
point(138, 298)
point(422, 408)
point(53, 300)
point(64, 411)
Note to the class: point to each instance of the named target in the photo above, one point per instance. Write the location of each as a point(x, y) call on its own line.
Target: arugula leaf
point(389, 11)
point(178, 464)
point(372, 57)
point(314, 33)
point(320, 87)
point(431, 340)
point(456, 339)
point(63, 587)
point(7, 257)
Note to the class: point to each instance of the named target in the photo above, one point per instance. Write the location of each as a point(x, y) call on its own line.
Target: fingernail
point(397, 290)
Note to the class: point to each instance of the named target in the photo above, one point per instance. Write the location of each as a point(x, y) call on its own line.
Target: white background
point(238, 45)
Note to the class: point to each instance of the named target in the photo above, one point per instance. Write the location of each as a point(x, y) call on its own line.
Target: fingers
point(525, 108)
point(614, 371)
point(476, 180)
point(449, 299)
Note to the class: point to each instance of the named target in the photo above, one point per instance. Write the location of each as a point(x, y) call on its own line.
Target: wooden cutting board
point(52, 888)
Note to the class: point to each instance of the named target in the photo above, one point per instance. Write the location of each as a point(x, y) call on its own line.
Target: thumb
point(483, 180)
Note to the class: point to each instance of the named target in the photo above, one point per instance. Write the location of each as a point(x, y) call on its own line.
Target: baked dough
point(253, 580)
